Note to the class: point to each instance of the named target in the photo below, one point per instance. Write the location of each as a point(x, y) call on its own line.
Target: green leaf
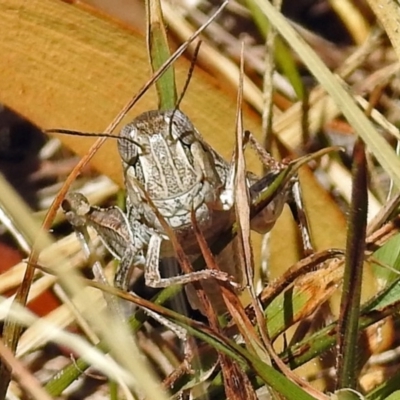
point(348, 326)
point(157, 45)
point(388, 254)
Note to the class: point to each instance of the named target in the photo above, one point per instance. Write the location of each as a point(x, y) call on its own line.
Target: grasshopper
point(165, 159)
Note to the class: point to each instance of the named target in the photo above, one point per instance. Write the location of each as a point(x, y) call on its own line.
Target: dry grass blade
point(30, 385)
point(242, 210)
point(303, 267)
point(353, 19)
point(74, 342)
point(389, 18)
point(22, 216)
point(241, 194)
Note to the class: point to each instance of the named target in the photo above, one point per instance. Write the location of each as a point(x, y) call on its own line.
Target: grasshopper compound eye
point(180, 127)
point(128, 147)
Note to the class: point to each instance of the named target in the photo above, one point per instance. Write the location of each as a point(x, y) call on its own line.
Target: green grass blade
point(158, 49)
point(348, 334)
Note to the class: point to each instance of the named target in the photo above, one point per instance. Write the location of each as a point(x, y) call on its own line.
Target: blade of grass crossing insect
point(348, 329)
point(158, 49)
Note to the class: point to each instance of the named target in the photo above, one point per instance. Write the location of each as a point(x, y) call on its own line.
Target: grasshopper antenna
point(92, 134)
point(187, 82)
point(190, 74)
point(78, 133)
